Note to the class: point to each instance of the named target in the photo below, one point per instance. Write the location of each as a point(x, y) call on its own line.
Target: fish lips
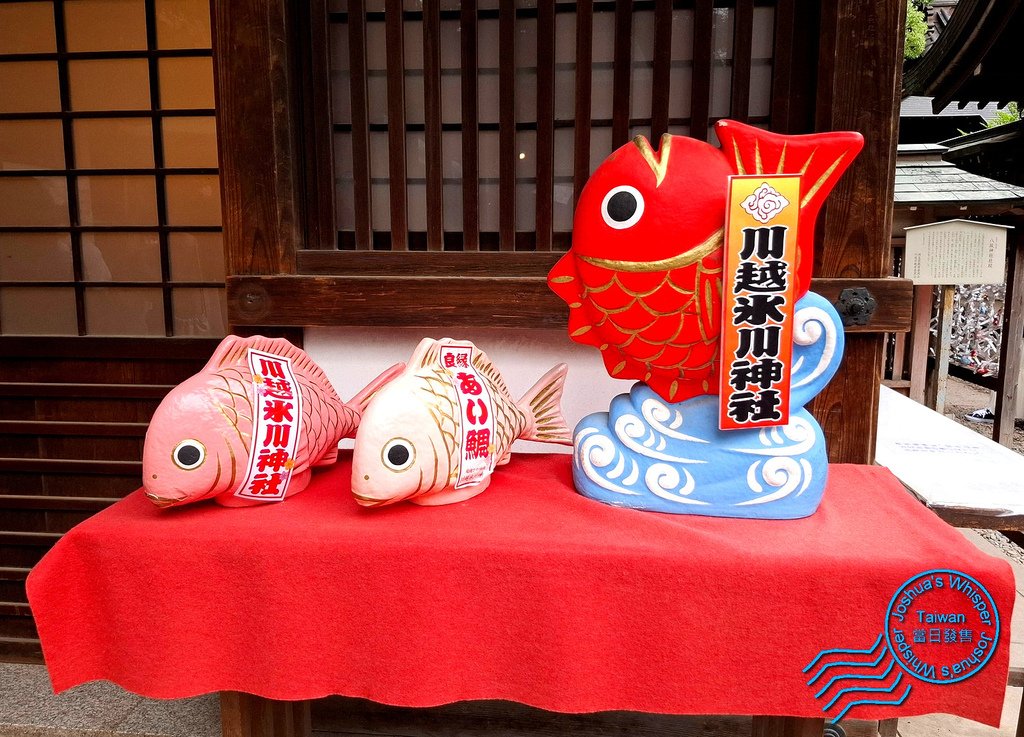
point(369, 501)
point(163, 502)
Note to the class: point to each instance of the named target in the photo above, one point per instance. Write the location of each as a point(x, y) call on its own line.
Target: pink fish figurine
point(248, 427)
point(434, 434)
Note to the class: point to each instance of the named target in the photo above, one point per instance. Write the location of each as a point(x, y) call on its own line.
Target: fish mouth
point(161, 501)
point(369, 501)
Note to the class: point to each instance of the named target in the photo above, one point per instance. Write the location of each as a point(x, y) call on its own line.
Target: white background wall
point(353, 356)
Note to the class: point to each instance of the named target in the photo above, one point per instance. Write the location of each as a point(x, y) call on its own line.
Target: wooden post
point(260, 196)
point(857, 227)
point(1010, 350)
point(920, 340)
point(245, 715)
point(899, 357)
point(888, 728)
point(940, 377)
point(787, 727)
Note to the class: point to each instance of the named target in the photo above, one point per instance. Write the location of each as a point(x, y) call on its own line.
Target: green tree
point(1009, 114)
point(916, 29)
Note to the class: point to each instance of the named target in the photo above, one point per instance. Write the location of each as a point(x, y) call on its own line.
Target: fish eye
point(622, 207)
point(188, 454)
point(398, 454)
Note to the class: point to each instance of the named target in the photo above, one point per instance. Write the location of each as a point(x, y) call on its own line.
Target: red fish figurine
point(209, 435)
point(643, 279)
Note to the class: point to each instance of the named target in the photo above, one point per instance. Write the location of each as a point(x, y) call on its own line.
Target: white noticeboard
point(944, 463)
point(956, 252)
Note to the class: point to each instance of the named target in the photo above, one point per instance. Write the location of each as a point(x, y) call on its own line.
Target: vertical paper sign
point(475, 407)
point(276, 423)
point(757, 285)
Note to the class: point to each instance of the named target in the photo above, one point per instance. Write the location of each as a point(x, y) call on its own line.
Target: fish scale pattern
point(336, 420)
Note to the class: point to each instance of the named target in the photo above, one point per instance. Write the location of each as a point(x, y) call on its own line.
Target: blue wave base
point(646, 453)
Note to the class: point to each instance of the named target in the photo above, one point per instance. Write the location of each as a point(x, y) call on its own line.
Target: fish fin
point(484, 365)
point(819, 158)
point(232, 350)
point(505, 458)
point(329, 457)
point(542, 405)
point(425, 353)
point(563, 279)
point(360, 400)
point(673, 389)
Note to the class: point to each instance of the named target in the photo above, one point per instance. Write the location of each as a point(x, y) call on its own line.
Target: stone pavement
point(28, 708)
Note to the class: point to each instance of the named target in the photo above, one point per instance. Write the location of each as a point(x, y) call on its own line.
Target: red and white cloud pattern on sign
point(765, 203)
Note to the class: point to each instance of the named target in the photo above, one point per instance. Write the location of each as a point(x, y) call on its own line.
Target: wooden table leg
point(787, 727)
point(245, 715)
point(888, 728)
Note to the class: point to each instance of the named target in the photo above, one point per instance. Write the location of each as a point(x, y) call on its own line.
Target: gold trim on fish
point(657, 161)
point(695, 254)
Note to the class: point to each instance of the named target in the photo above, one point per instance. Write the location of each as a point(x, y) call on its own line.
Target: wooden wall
point(74, 414)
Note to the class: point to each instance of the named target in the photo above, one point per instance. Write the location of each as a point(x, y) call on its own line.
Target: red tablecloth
point(528, 592)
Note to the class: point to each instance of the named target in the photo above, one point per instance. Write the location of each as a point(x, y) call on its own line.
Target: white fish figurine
point(433, 434)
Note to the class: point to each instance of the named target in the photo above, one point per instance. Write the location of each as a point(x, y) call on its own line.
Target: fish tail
point(360, 400)
point(542, 405)
point(820, 159)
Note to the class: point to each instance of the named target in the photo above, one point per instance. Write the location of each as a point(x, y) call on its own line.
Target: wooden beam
point(584, 62)
point(254, 72)
point(700, 86)
point(361, 202)
point(1010, 350)
point(507, 124)
point(519, 298)
point(857, 221)
point(245, 715)
point(470, 123)
point(787, 727)
point(394, 41)
point(622, 72)
point(432, 127)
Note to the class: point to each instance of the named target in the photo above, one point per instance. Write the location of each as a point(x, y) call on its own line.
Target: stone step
point(29, 708)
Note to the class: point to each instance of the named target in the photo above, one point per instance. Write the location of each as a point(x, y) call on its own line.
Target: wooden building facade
point(383, 163)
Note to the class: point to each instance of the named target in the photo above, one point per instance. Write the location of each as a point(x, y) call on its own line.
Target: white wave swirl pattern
point(799, 431)
point(782, 473)
point(596, 451)
point(810, 324)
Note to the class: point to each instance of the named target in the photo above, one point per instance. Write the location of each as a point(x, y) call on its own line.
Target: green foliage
point(916, 29)
point(1010, 114)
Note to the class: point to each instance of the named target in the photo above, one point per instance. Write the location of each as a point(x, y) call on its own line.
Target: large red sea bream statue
point(644, 285)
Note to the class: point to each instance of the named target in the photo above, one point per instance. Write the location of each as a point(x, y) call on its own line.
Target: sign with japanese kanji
point(276, 424)
point(956, 252)
point(476, 412)
point(758, 301)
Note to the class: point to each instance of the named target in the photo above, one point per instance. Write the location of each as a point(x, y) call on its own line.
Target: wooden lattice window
point(109, 194)
point(472, 126)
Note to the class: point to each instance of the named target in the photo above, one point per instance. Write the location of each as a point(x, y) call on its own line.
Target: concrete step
point(29, 708)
